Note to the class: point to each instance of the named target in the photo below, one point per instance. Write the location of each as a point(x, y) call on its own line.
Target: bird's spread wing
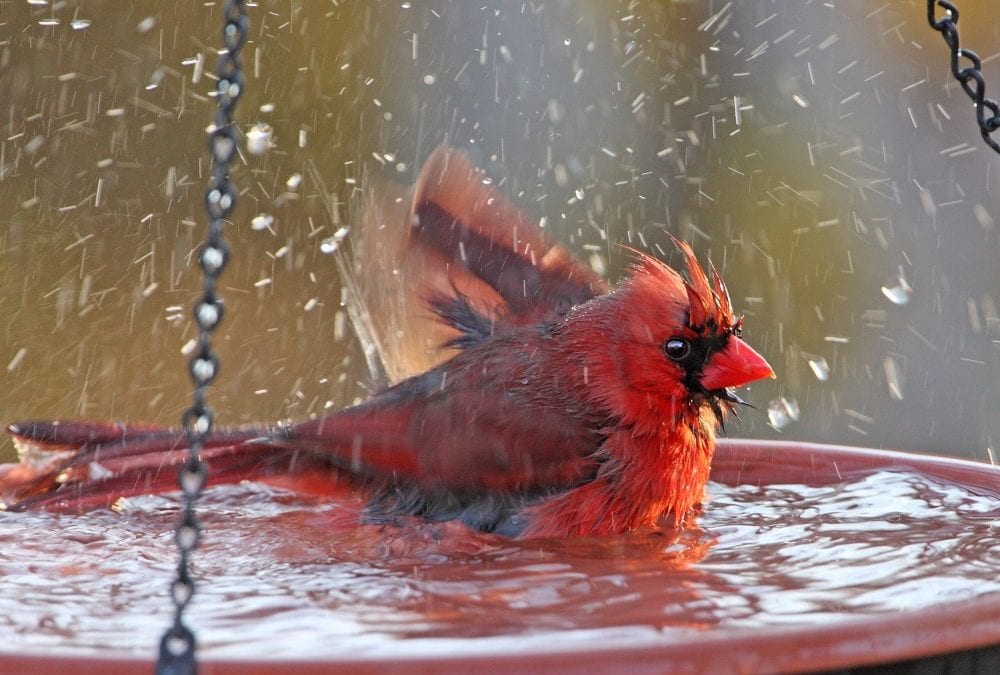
point(453, 234)
point(459, 215)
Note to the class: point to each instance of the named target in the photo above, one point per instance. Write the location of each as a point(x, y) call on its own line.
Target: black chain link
point(177, 646)
point(948, 26)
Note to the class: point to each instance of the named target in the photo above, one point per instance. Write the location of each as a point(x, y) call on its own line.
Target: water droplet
point(34, 145)
point(331, 244)
point(429, 78)
point(898, 290)
point(983, 217)
point(156, 79)
point(261, 221)
point(597, 264)
point(820, 368)
point(892, 378)
point(15, 362)
point(80, 24)
point(146, 24)
point(927, 201)
point(294, 181)
point(782, 411)
point(259, 139)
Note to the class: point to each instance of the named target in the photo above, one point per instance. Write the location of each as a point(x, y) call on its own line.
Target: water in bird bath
point(284, 576)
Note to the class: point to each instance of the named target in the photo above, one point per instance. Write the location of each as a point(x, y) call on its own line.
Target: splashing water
point(782, 411)
point(261, 221)
point(332, 243)
point(898, 291)
point(259, 139)
point(283, 575)
point(893, 379)
point(820, 368)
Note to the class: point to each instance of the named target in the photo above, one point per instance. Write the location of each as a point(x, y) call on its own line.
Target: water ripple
point(286, 576)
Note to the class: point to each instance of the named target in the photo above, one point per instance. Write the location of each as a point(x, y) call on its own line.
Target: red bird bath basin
point(806, 557)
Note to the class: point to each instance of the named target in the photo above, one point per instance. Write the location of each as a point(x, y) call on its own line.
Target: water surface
point(286, 576)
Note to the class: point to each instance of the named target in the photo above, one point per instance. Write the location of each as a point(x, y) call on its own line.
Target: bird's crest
point(709, 306)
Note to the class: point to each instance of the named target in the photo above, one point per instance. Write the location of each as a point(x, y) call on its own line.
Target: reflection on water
point(282, 576)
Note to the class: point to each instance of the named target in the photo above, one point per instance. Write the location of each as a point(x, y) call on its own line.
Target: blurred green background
point(816, 151)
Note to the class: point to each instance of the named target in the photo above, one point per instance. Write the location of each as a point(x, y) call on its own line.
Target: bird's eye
point(677, 349)
point(737, 328)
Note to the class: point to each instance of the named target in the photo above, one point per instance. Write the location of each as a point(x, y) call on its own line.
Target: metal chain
point(948, 26)
point(177, 646)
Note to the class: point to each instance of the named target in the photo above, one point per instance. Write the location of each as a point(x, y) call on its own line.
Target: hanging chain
point(177, 646)
point(970, 78)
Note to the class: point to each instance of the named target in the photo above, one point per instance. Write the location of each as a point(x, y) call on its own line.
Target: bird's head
point(673, 344)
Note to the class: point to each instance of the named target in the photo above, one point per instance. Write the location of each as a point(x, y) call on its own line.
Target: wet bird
point(565, 407)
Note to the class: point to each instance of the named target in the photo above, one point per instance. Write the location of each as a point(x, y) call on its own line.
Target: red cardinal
point(569, 408)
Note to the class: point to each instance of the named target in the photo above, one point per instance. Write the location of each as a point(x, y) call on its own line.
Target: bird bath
point(806, 557)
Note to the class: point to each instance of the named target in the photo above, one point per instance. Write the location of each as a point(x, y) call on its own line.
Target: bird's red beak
point(733, 366)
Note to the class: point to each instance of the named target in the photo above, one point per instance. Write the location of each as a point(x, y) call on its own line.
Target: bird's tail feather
point(77, 466)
